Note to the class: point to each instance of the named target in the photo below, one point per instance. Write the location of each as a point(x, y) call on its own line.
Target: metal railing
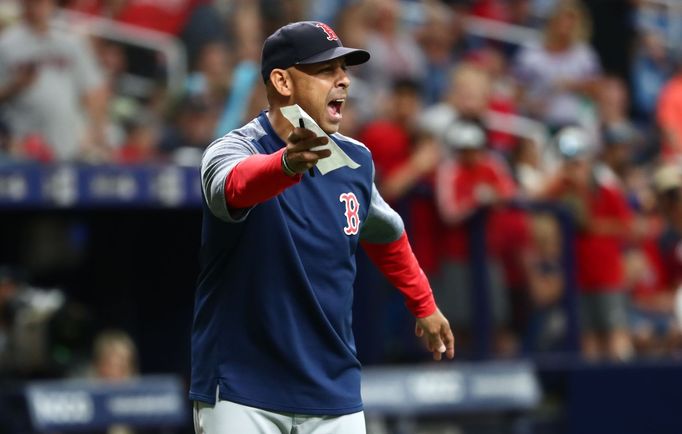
point(519, 126)
point(170, 47)
point(500, 31)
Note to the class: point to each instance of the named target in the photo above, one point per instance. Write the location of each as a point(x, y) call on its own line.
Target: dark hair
point(406, 84)
point(672, 194)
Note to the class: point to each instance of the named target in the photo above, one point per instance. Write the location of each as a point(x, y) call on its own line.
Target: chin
point(331, 128)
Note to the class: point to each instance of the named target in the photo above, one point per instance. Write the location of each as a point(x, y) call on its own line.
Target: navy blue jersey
point(272, 315)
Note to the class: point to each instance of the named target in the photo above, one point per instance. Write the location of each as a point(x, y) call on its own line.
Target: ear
point(282, 82)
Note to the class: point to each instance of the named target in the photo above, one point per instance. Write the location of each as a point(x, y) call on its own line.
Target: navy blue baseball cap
point(303, 43)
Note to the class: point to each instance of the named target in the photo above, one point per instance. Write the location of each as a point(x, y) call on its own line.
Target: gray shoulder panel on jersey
point(383, 224)
point(350, 140)
point(219, 159)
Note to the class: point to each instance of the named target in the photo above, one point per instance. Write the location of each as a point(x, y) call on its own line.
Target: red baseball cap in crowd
point(303, 43)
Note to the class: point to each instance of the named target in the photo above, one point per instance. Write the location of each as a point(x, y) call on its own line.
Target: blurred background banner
point(68, 185)
point(80, 405)
point(447, 390)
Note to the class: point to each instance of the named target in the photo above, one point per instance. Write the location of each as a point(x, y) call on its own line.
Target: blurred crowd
point(473, 109)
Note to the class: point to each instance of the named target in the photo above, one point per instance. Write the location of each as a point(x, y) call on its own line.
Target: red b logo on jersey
point(331, 35)
point(352, 209)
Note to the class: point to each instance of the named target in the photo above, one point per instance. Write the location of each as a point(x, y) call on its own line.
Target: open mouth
point(334, 108)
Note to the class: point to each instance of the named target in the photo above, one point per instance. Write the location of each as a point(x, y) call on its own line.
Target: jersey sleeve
point(383, 224)
point(256, 179)
point(399, 265)
point(503, 178)
point(216, 164)
point(384, 240)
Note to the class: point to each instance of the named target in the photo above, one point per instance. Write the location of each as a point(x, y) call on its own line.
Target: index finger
point(436, 345)
point(449, 340)
point(308, 143)
point(299, 134)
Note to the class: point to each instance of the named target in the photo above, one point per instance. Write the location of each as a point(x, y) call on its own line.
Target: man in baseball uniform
point(272, 345)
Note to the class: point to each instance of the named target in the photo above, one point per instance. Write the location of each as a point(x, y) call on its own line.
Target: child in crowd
point(655, 323)
point(602, 217)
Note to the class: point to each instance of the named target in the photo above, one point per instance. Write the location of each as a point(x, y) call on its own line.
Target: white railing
point(518, 126)
point(170, 47)
point(500, 31)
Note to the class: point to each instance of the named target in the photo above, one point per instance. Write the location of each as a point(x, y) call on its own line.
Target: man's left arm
point(384, 240)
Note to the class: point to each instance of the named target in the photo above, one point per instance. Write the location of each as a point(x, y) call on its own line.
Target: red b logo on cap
point(331, 35)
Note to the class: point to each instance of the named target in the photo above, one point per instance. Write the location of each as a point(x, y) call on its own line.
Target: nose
point(343, 79)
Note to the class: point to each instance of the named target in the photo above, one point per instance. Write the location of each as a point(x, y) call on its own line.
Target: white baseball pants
point(230, 418)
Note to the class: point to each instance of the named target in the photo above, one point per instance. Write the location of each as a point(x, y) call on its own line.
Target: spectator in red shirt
point(469, 179)
point(404, 170)
point(603, 217)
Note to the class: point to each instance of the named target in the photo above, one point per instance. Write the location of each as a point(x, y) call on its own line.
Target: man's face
point(406, 105)
point(577, 171)
point(321, 90)
point(564, 24)
point(116, 363)
point(471, 96)
point(469, 157)
point(619, 156)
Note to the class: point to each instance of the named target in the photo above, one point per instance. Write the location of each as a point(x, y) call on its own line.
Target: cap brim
point(353, 56)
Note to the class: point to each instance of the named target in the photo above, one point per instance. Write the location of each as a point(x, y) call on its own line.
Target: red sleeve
point(616, 204)
point(453, 205)
point(397, 262)
point(256, 179)
point(505, 183)
point(623, 209)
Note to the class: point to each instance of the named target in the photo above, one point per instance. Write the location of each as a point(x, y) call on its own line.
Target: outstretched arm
point(235, 177)
point(256, 179)
point(260, 177)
